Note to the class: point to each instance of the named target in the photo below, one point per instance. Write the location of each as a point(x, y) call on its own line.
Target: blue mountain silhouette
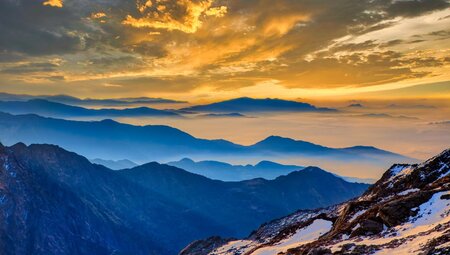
point(65, 99)
point(109, 139)
point(247, 104)
point(52, 109)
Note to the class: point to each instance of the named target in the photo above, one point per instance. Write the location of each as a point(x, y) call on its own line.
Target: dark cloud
point(148, 49)
point(112, 63)
point(417, 41)
point(30, 68)
point(441, 34)
point(56, 78)
point(29, 27)
point(412, 8)
point(444, 122)
point(159, 84)
point(6, 56)
point(369, 44)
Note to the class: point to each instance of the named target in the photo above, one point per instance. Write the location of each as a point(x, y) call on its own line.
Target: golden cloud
point(54, 3)
point(183, 15)
point(98, 15)
point(283, 24)
point(217, 11)
point(143, 5)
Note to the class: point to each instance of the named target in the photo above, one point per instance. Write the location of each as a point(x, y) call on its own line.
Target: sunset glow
point(195, 48)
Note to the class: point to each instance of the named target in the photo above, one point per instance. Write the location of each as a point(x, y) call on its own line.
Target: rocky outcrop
point(205, 246)
point(406, 212)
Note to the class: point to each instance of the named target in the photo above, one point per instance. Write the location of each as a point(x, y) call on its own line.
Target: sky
point(392, 57)
point(209, 50)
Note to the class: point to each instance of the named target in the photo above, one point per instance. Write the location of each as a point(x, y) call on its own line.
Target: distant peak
point(20, 146)
point(267, 163)
point(313, 169)
point(277, 138)
point(109, 121)
point(186, 160)
point(310, 170)
point(356, 105)
point(364, 147)
point(244, 98)
point(281, 139)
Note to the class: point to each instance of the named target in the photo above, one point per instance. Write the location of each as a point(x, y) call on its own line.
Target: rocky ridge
point(406, 212)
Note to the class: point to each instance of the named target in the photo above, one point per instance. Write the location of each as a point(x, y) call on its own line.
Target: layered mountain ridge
point(56, 202)
point(53, 109)
point(406, 212)
point(266, 169)
point(106, 140)
point(223, 171)
point(66, 99)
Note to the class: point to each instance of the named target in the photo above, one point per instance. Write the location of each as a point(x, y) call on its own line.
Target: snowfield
point(302, 236)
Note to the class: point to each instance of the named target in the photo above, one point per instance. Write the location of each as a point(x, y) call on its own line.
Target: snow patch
point(430, 214)
point(357, 214)
point(444, 166)
point(408, 191)
point(397, 169)
point(433, 211)
point(234, 247)
point(304, 235)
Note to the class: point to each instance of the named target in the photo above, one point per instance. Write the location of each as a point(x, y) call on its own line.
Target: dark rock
point(320, 251)
point(397, 211)
point(368, 227)
point(446, 197)
point(200, 247)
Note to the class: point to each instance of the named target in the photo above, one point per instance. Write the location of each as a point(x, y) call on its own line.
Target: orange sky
point(205, 50)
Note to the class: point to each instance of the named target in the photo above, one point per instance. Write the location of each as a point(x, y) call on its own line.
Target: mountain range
point(53, 201)
point(268, 170)
point(228, 108)
point(108, 139)
point(226, 172)
point(70, 107)
point(65, 99)
point(52, 109)
point(115, 164)
point(247, 104)
point(407, 211)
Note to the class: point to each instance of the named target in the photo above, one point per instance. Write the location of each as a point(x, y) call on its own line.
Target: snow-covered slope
point(406, 212)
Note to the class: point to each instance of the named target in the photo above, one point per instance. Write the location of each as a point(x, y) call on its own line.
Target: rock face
point(406, 212)
point(205, 246)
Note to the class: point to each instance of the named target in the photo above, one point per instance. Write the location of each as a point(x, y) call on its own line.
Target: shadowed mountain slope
point(57, 202)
